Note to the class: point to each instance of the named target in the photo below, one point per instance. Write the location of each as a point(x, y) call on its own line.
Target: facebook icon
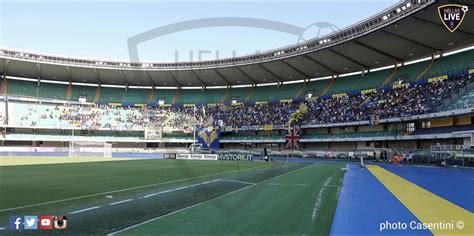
point(16, 222)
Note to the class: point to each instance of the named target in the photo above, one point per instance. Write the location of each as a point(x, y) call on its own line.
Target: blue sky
point(100, 30)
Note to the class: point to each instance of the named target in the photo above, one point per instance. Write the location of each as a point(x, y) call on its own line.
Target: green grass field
point(173, 196)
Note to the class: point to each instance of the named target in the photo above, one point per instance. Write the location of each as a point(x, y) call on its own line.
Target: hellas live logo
point(452, 15)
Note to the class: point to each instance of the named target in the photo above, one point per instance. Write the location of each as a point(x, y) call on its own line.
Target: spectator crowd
point(402, 100)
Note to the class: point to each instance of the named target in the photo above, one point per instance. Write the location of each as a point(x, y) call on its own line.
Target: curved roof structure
point(407, 31)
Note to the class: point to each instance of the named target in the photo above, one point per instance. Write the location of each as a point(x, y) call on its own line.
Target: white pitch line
point(326, 183)
point(150, 195)
point(317, 204)
point(275, 184)
point(199, 203)
point(180, 188)
point(123, 190)
point(301, 185)
point(83, 210)
point(119, 202)
point(2, 228)
point(236, 181)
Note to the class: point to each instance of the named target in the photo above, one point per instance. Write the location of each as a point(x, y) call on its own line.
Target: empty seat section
point(197, 96)
point(359, 82)
point(456, 62)
point(22, 88)
point(136, 96)
point(410, 72)
point(239, 93)
point(266, 93)
point(83, 91)
point(315, 87)
point(53, 91)
point(166, 95)
point(114, 95)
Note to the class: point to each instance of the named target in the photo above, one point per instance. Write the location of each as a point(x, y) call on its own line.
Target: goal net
point(90, 149)
point(195, 148)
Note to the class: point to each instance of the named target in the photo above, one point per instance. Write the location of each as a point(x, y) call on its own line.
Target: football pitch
point(172, 196)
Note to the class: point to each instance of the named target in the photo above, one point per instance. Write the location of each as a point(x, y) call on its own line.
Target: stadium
point(365, 130)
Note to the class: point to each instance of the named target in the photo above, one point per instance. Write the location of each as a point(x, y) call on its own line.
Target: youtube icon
point(45, 222)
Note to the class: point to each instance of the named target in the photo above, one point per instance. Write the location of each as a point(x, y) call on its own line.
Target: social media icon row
point(38, 222)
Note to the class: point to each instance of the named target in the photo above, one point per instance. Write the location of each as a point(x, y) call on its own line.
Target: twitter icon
point(30, 222)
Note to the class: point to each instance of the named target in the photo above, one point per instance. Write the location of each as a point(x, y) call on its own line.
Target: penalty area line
point(119, 202)
point(83, 210)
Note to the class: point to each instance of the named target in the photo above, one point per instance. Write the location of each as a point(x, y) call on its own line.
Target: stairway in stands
point(178, 93)
point(151, 95)
point(301, 89)
point(390, 77)
point(224, 97)
point(97, 94)
point(331, 82)
point(427, 68)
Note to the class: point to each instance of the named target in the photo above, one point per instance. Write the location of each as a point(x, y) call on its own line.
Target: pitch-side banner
point(196, 156)
point(235, 157)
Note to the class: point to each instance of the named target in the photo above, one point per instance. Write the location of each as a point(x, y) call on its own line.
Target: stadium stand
point(83, 91)
point(418, 98)
point(452, 65)
point(238, 93)
point(358, 82)
point(272, 93)
point(22, 88)
point(465, 101)
point(136, 96)
point(193, 96)
point(113, 95)
point(409, 73)
point(52, 91)
point(166, 95)
point(443, 130)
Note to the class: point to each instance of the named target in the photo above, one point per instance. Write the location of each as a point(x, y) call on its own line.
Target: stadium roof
point(407, 31)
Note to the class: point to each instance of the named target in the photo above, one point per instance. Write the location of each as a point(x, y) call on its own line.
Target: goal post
point(90, 149)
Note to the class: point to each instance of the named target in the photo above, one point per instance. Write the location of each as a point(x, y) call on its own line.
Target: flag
point(292, 138)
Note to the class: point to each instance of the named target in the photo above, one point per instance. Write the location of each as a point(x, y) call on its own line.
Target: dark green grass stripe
point(276, 209)
point(109, 218)
point(82, 180)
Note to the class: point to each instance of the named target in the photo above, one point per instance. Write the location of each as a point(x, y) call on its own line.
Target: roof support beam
point(306, 76)
point(5, 67)
point(271, 72)
point(378, 51)
point(175, 80)
point(320, 64)
point(147, 75)
point(99, 81)
point(410, 40)
point(222, 77)
point(442, 26)
point(350, 59)
point(69, 74)
point(246, 75)
point(125, 77)
point(199, 78)
point(38, 70)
